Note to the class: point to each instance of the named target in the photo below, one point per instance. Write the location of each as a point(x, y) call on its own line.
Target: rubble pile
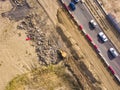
point(43, 37)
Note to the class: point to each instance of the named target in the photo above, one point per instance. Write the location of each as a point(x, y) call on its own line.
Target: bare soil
point(17, 56)
point(43, 78)
point(112, 6)
point(89, 57)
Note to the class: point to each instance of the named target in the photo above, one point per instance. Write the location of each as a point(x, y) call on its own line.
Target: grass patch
point(48, 78)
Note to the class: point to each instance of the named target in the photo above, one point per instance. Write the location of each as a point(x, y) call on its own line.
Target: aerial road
point(83, 16)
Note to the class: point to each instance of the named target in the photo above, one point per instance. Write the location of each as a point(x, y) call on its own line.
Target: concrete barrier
point(66, 7)
point(76, 21)
point(80, 27)
point(89, 38)
point(83, 30)
point(117, 78)
point(71, 14)
point(104, 60)
point(96, 47)
point(111, 69)
point(62, 1)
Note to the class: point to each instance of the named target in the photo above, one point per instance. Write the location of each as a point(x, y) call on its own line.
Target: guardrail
point(91, 41)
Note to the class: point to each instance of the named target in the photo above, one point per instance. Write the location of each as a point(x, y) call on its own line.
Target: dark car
point(72, 6)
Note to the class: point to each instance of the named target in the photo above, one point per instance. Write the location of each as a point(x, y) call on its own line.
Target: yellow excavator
point(62, 54)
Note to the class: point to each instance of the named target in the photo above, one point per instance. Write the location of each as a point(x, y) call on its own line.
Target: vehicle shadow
point(73, 1)
point(110, 56)
point(99, 40)
point(70, 8)
point(91, 28)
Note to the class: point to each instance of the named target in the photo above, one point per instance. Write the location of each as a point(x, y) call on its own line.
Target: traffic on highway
point(107, 49)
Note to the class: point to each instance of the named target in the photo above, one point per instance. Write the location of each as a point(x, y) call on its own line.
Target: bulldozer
point(62, 54)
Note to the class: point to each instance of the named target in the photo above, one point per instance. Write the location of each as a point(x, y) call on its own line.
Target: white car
point(82, 1)
point(93, 23)
point(76, 1)
point(102, 36)
point(113, 52)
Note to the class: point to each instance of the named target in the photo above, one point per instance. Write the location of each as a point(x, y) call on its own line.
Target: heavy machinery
point(62, 54)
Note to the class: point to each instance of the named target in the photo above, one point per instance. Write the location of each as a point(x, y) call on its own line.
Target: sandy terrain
point(44, 79)
point(112, 6)
point(17, 55)
point(90, 58)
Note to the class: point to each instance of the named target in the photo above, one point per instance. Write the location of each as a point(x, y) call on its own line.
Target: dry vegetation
point(21, 58)
point(44, 78)
point(112, 6)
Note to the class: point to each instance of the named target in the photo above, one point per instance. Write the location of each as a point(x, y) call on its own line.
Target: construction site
point(42, 48)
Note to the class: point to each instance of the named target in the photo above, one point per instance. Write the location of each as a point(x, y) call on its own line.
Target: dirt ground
point(17, 55)
point(112, 6)
point(43, 78)
point(90, 58)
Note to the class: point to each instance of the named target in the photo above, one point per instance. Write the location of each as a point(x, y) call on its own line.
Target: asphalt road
point(83, 16)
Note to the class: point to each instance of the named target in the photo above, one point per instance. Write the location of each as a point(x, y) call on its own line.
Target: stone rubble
point(45, 45)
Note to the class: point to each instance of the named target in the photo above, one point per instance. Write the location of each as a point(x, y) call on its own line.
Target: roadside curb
point(96, 47)
point(84, 32)
point(104, 59)
point(117, 78)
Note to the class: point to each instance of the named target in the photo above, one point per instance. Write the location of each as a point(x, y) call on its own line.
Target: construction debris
point(43, 38)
